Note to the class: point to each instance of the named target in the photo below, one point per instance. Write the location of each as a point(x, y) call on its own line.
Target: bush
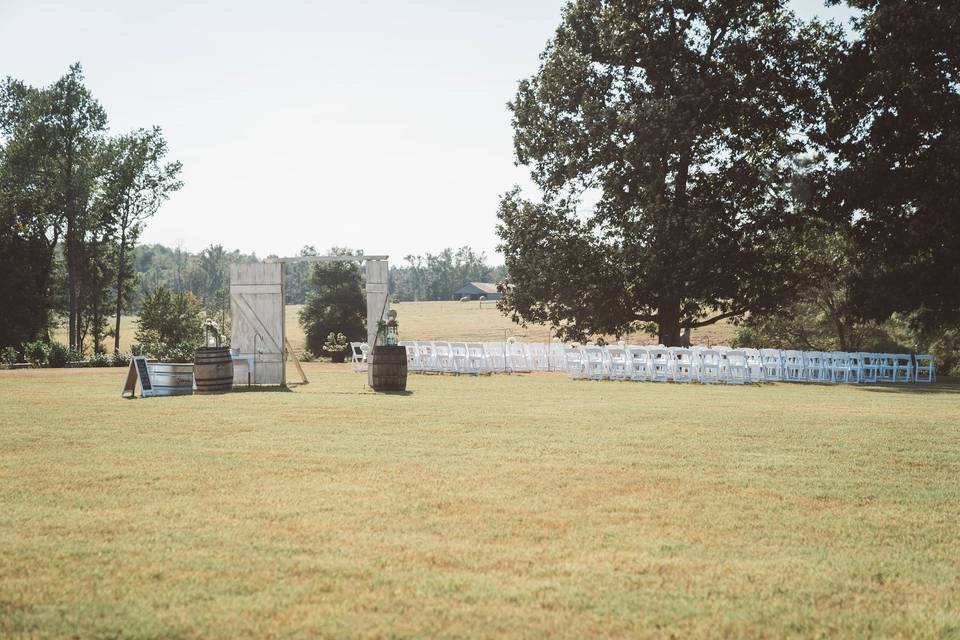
point(58, 355)
point(9, 356)
point(36, 352)
point(120, 359)
point(136, 349)
point(99, 360)
point(170, 325)
point(183, 352)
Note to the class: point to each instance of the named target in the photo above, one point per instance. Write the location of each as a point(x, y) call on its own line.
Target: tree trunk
point(120, 274)
point(668, 322)
point(72, 289)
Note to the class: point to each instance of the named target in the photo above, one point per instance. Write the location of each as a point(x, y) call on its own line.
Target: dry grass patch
point(493, 506)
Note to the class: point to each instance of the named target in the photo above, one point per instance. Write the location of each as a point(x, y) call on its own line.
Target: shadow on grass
point(264, 389)
point(949, 385)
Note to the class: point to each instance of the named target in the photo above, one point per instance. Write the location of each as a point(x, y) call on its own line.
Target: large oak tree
point(680, 120)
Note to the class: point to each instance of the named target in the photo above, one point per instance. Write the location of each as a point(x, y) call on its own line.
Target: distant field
point(448, 321)
point(506, 506)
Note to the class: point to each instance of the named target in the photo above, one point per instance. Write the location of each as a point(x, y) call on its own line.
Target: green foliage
point(120, 359)
point(336, 342)
point(894, 133)
point(170, 322)
point(682, 119)
point(9, 355)
point(59, 354)
point(69, 192)
point(36, 352)
point(335, 304)
point(99, 360)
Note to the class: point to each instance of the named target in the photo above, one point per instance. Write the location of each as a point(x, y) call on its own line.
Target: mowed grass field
point(462, 321)
point(507, 506)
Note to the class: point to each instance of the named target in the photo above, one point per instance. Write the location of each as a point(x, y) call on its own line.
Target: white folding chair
point(638, 363)
point(557, 357)
point(709, 365)
point(358, 357)
point(682, 365)
point(496, 356)
point(444, 357)
point(793, 366)
point(575, 363)
point(458, 353)
point(476, 360)
point(813, 367)
point(925, 369)
point(838, 366)
point(517, 359)
point(854, 368)
point(537, 354)
point(617, 362)
point(885, 368)
point(413, 356)
point(736, 369)
point(902, 367)
point(754, 364)
point(660, 365)
point(772, 363)
point(595, 362)
point(869, 367)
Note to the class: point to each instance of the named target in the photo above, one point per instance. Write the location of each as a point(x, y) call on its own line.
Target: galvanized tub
point(171, 378)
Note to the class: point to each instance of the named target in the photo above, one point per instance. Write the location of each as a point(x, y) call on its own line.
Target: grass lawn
point(466, 321)
point(522, 506)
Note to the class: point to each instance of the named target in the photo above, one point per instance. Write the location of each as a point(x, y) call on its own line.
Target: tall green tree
point(30, 223)
point(335, 303)
point(136, 184)
point(70, 124)
point(894, 132)
point(679, 119)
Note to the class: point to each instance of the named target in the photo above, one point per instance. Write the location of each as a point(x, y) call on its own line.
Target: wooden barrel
point(213, 370)
point(388, 368)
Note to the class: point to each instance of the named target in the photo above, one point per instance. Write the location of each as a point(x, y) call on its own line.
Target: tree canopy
point(893, 131)
point(681, 120)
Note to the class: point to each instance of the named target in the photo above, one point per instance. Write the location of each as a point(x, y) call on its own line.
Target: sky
point(379, 125)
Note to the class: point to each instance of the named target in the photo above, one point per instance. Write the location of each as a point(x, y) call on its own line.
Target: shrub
point(9, 356)
point(120, 359)
point(182, 352)
point(99, 360)
point(36, 352)
point(76, 355)
point(136, 349)
point(169, 319)
point(58, 354)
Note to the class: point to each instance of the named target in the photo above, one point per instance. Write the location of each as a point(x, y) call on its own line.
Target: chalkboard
point(144, 374)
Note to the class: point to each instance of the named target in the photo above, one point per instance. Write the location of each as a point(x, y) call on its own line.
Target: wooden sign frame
point(138, 372)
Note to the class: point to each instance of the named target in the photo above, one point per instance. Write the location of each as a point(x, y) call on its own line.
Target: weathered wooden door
point(256, 306)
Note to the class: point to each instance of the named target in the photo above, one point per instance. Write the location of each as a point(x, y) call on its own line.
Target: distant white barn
point(477, 290)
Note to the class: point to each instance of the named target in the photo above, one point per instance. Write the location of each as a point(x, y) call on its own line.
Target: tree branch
point(709, 321)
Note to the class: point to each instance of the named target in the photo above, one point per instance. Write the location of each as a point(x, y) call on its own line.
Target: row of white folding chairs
point(476, 357)
point(738, 366)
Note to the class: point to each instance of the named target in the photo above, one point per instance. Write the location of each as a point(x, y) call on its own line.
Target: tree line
point(74, 199)
point(743, 164)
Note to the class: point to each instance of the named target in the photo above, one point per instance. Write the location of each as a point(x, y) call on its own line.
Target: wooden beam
point(360, 258)
point(296, 360)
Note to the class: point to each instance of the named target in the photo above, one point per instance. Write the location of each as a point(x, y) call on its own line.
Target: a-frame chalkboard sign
point(138, 371)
